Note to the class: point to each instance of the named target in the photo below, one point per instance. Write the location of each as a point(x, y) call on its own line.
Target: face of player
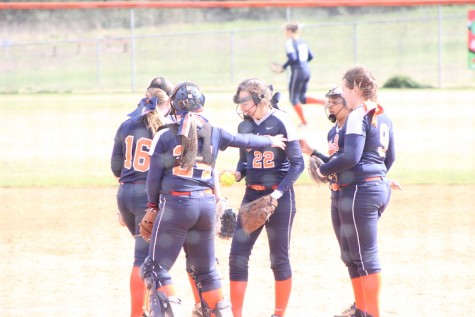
point(334, 104)
point(247, 105)
point(350, 95)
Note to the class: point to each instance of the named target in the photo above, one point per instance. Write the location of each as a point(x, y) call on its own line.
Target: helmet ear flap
point(257, 98)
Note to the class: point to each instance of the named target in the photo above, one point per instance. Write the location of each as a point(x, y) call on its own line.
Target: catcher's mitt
point(313, 164)
point(225, 219)
point(146, 225)
point(255, 213)
point(276, 67)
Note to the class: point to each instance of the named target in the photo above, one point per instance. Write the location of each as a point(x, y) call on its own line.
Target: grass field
point(66, 140)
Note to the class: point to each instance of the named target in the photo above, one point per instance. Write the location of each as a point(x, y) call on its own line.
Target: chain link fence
point(120, 50)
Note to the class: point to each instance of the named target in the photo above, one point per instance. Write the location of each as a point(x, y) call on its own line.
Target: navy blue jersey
point(366, 147)
point(272, 166)
point(298, 54)
point(130, 160)
point(165, 173)
point(333, 137)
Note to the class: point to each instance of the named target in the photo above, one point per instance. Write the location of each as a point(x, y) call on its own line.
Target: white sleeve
point(354, 125)
point(155, 141)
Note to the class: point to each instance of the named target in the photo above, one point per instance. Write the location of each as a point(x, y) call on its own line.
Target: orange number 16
point(141, 161)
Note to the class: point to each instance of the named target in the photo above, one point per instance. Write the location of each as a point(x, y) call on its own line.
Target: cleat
point(348, 312)
point(197, 312)
point(360, 313)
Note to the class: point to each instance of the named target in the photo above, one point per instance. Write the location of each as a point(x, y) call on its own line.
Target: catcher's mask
point(257, 98)
point(336, 92)
point(186, 97)
point(238, 101)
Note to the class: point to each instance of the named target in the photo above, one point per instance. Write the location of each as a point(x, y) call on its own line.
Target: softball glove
point(225, 219)
point(255, 213)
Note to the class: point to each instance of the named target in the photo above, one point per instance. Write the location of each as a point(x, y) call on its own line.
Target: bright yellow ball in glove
point(227, 179)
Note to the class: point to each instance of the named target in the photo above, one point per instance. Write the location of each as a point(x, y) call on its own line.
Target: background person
point(298, 57)
point(267, 171)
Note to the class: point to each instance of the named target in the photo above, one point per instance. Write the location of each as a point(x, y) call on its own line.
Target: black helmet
point(163, 84)
point(187, 97)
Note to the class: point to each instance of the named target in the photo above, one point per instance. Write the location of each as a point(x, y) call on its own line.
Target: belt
point(262, 187)
point(204, 191)
point(368, 179)
point(122, 183)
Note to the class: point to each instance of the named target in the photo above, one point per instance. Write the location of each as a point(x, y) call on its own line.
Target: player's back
point(166, 145)
point(135, 139)
point(298, 53)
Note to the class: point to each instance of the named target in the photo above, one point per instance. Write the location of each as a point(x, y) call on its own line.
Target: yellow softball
point(227, 179)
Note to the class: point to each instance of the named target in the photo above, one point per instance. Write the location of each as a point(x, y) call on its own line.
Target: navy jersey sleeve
point(297, 165)
point(310, 55)
point(241, 140)
point(349, 157)
point(391, 152)
point(321, 156)
point(354, 137)
point(244, 127)
point(157, 167)
point(117, 158)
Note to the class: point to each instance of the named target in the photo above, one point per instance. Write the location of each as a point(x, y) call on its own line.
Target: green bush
point(401, 81)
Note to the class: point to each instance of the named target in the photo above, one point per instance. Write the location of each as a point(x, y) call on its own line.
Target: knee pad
point(163, 306)
point(223, 309)
point(154, 274)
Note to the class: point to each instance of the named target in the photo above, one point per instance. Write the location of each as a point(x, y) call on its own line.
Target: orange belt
point(206, 191)
point(376, 178)
point(369, 179)
point(262, 187)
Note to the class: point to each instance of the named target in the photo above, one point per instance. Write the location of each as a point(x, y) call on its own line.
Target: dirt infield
point(63, 252)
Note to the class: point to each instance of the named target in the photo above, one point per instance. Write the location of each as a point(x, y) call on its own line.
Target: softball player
point(130, 164)
point(267, 171)
point(337, 112)
point(180, 186)
point(298, 57)
point(366, 153)
point(155, 89)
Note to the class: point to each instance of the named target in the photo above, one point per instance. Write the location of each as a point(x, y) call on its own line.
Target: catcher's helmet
point(187, 97)
point(335, 92)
